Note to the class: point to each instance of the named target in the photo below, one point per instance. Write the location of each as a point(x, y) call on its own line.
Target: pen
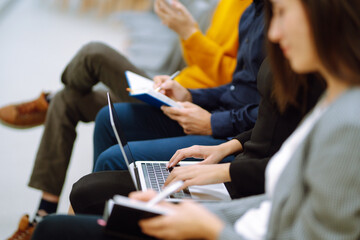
point(166, 192)
point(174, 75)
point(171, 78)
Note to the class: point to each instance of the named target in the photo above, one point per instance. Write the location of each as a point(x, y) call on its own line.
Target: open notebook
point(142, 89)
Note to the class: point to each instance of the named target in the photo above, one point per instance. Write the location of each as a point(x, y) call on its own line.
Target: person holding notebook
point(312, 183)
point(141, 118)
point(209, 115)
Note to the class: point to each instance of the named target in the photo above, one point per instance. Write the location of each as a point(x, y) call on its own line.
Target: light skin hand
point(172, 89)
point(188, 221)
point(200, 174)
point(210, 154)
point(192, 118)
point(176, 17)
point(143, 196)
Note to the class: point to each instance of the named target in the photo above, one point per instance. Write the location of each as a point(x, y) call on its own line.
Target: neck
point(335, 87)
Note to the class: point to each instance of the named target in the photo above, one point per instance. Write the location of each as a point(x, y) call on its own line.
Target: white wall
point(36, 42)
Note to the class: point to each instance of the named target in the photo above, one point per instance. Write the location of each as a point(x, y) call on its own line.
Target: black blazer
point(271, 129)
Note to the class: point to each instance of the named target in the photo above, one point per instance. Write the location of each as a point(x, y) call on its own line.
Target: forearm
point(231, 147)
point(223, 173)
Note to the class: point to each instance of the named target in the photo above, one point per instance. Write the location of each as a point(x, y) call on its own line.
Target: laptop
point(152, 174)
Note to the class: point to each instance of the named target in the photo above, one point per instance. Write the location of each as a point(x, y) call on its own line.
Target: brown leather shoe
point(25, 230)
point(25, 115)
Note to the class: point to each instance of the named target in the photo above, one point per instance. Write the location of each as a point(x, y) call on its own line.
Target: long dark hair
point(335, 27)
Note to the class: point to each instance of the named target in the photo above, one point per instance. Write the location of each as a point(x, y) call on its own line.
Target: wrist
point(225, 172)
point(188, 33)
point(231, 147)
point(188, 96)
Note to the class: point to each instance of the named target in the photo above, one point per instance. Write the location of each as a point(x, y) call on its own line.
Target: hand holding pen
point(163, 80)
point(158, 81)
point(172, 89)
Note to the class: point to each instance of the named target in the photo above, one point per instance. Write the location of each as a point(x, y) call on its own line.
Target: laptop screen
point(122, 139)
point(124, 147)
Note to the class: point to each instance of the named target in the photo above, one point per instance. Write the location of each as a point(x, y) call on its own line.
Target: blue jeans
point(150, 134)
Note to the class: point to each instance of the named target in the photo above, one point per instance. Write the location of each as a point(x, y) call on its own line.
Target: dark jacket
point(234, 106)
point(271, 129)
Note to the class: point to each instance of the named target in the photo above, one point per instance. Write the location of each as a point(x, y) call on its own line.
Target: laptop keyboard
point(155, 177)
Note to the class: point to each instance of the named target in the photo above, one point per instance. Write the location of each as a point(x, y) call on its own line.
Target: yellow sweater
point(211, 58)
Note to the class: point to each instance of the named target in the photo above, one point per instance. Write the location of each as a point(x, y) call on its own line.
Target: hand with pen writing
point(165, 85)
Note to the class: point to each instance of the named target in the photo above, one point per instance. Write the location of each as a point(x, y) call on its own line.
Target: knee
point(110, 160)
point(102, 116)
point(93, 49)
point(89, 194)
point(64, 105)
point(102, 121)
point(100, 163)
point(81, 193)
point(97, 52)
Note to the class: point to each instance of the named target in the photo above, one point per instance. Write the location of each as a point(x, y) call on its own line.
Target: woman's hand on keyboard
point(210, 154)
point(200, 174)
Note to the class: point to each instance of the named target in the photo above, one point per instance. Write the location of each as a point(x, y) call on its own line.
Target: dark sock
point(45, 208)
point(48, 97)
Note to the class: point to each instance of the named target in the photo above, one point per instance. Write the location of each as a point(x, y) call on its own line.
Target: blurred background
point(37, 39)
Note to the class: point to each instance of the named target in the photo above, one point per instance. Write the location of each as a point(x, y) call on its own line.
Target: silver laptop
point(152, 174)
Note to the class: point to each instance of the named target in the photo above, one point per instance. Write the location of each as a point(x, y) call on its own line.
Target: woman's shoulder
point(347, 107)
point(343, 114)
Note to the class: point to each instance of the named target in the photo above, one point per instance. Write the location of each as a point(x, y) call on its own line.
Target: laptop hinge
point(136, 171)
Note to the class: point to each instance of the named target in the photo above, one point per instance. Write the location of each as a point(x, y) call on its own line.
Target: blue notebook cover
point(145, 97)
point(142, 89)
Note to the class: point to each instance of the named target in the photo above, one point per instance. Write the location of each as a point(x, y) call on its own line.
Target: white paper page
point(137, 82)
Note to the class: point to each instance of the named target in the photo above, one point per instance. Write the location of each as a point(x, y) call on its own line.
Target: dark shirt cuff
point(197, 96)
point(221, 124)
point(244, 137)
point(248, 176)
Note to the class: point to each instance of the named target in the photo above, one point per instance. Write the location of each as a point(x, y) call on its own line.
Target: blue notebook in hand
point(142, 89)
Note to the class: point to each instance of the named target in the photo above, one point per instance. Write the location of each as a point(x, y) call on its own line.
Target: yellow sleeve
point(214, 60)
point(211, 58)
